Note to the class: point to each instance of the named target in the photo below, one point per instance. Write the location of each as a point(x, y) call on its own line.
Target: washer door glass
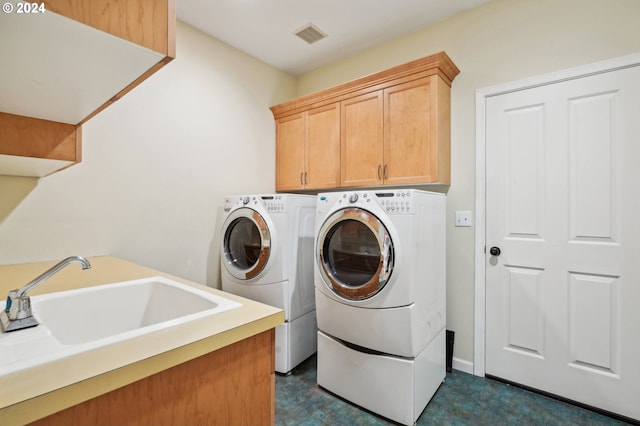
point(246, 244)
point(355, 254)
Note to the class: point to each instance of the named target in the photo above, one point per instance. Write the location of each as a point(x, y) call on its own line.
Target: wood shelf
point(81, 57)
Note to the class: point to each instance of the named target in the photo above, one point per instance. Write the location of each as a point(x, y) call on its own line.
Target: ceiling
point(265, 28)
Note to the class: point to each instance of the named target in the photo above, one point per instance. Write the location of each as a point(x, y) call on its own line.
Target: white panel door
point(563, 207)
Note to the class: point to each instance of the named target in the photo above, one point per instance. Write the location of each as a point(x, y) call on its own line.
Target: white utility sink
point(78, 320)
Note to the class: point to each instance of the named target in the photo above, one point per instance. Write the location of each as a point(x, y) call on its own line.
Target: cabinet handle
point(306, 181)
point(301, 178)
point(379, 175)
point(385, 172)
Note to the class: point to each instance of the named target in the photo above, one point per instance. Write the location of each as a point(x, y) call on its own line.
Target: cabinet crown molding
point(438, 63)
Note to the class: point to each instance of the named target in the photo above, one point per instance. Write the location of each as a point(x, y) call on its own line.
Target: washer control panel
point(272, 203)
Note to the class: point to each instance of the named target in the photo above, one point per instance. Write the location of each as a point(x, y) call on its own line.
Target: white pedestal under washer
point(380, 295)
point(267, 255)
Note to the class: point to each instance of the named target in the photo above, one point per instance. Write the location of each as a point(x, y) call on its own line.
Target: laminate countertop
point(33, 393)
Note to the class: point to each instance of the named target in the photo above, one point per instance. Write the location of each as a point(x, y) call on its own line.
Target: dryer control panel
point(273, 203)
point(398, 201)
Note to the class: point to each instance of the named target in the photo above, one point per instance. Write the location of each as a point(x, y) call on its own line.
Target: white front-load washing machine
point(267, 256)
point(381, 298)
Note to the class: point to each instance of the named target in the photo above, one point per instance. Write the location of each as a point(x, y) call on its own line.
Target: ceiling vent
point(310, 33)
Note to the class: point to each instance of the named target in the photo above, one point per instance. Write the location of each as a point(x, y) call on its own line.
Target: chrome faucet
point(17, 312)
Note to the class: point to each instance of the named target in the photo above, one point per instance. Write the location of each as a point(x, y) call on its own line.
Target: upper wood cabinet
point(308, 149)
point(290, 150)
point(361, 140)
point(417, 117)
point(65, 64)
point(394, 125)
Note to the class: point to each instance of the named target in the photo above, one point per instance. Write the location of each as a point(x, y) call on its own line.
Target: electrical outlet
point(463, 218)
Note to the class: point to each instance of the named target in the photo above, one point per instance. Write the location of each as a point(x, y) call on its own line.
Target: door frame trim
point(482, 95)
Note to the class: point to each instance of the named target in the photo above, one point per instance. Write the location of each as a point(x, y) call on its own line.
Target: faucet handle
point(12, 295)
point(18, 307)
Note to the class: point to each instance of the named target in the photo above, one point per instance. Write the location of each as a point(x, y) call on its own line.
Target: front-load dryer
point(381, 298)
point(380, 261)
point(267, 256)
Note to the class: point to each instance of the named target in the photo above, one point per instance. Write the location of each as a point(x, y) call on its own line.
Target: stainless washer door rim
point(230, 261)
point(385, 262)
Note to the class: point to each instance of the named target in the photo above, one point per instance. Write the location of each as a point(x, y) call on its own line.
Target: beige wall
point(156, 167)
point(501, 41)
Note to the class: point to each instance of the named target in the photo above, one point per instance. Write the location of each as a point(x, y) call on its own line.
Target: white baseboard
point(462, 365)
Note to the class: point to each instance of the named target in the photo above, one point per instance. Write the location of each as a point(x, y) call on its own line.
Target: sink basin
point(84, 315)
point(78, 320)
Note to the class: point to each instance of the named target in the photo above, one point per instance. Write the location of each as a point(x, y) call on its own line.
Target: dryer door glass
point(246, 244)
point(355, 254)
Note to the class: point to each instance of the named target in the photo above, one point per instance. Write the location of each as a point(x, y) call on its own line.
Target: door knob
point(495, 251)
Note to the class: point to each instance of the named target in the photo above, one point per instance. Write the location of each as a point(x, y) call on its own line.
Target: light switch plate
point(463, 218)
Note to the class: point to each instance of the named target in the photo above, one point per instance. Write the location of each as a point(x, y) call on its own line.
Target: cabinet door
point(323, 147)
point(361, 158)
point(290, 132)
point(411, 132)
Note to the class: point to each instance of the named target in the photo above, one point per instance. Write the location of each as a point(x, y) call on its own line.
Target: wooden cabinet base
point(234, 385)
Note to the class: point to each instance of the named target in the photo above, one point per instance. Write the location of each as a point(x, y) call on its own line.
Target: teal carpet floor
point(463, 399)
